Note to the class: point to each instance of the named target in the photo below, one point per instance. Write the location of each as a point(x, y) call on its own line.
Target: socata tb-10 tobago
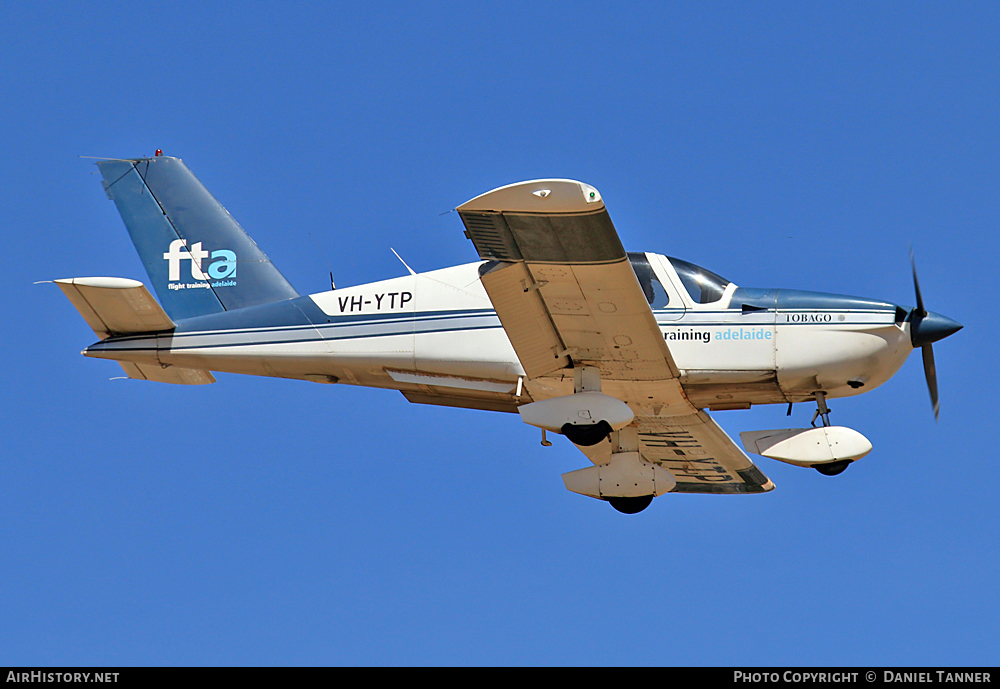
point(620, 352)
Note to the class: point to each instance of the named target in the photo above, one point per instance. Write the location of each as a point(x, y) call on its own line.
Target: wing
point(562, 284)
point(696, 451)
point(565, 292)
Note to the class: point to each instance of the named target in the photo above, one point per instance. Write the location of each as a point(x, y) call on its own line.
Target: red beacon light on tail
point(158, 152)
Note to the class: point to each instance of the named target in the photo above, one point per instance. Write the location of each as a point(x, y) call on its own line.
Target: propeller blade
point(930, 373)
point(920, 310)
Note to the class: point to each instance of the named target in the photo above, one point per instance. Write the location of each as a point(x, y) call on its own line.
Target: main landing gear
point(823, 412)
point(589, 417)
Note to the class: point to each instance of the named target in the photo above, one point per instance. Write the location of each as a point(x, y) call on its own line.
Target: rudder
point(198, 258)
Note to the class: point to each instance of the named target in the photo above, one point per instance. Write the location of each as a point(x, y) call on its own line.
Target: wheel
point(586, 435)
point(631, 505)
point(833, 468)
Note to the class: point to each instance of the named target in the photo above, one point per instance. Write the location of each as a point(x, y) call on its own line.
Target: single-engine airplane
point(623, 353)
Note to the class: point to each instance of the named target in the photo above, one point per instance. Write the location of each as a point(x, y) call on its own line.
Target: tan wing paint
point(562, 283)
point(700, 455)
point(566, 294)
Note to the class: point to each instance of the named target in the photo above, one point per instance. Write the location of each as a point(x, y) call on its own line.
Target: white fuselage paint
point(440, 326)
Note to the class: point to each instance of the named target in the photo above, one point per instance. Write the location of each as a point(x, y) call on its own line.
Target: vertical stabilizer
point(198, 258)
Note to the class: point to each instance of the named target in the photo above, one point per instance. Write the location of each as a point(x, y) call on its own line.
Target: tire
point(833, 468)
point(586, 435)
point(631, 505)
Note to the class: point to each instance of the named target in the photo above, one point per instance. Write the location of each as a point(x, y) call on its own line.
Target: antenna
point(325, 257)
point(124, 160)
point(402, 261)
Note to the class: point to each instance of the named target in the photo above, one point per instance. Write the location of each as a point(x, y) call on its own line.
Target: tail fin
point(198, 258)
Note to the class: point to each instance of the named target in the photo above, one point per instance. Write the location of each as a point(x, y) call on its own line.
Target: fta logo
point(222, 266)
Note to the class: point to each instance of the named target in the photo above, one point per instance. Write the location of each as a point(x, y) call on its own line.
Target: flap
point(696, 451)
point(700, 455)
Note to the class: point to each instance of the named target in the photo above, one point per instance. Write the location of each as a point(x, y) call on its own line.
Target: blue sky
point(261, 521)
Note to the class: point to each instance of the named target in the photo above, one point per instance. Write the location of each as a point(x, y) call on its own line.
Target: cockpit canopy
point(704, 286)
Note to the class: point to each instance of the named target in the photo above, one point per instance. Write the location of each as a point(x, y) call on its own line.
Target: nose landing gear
point(823, 412)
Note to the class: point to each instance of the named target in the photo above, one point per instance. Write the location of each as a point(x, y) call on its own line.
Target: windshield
point(703, 285)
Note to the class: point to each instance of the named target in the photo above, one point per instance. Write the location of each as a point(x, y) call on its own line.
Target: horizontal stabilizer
point(116, 306)
point(170, 374)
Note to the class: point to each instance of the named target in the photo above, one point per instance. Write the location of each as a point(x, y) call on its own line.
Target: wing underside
point(562, 284)
point(700, 455)
point(567, 296)
point(696, 451)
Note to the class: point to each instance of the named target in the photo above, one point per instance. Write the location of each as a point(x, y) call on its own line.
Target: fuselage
point(436, 337)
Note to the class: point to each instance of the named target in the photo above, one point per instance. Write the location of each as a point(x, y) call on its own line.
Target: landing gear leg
point(821, 409)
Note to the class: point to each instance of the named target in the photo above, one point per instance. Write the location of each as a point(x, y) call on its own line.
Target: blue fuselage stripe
point(431, 322)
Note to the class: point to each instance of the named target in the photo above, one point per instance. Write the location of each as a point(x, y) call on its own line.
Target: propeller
point(927, 327)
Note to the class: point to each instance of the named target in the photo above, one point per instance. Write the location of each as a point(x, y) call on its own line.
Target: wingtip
point(538, 196)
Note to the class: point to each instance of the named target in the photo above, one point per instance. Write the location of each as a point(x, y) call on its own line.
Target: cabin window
point(651, 285)
point(703, 285)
